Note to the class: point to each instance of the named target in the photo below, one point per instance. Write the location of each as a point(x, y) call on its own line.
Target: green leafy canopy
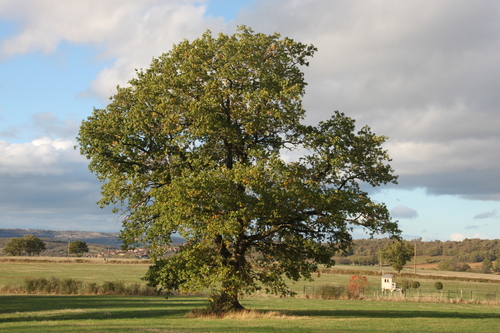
point(397, 253)
point(194, 146)
point(78, 247)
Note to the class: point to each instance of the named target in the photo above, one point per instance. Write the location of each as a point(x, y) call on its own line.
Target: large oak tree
point(198, 144)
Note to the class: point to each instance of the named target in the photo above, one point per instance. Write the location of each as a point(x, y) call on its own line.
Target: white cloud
point(130, 32)
point(457, 237)
point(42, 156)
point(403, 212)
point(45, 184)
point(460, 237)
point(47, 23)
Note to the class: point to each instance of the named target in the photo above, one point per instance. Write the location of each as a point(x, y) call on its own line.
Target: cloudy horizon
point(425, 74)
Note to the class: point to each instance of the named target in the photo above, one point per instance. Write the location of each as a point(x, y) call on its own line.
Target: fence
point(463, 294)
point(416, 294)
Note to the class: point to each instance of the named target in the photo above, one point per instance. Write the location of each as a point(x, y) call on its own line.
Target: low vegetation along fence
point(69, 286)
point(463, 294)
point(341, 292)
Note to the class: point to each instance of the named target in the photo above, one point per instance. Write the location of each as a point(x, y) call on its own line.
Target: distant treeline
point(59, 248)
point(468, 250)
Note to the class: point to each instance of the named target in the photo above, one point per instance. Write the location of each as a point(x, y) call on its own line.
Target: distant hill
point(91, 237)
point(105, 238)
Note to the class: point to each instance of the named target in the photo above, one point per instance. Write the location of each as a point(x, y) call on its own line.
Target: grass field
point(57, 313)
point(37, 313)
point(14, 272)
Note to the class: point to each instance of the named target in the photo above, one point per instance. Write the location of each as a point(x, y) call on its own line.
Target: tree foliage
point(14, 247)
point(195, 146)
point(468, 250)
point(357, 285)
point(78, 247)
point(486, 266)
point(453, 265)
point(33, 245)
point(397, 254)
point(29, 244)
point(438, 285)
point(496, 265)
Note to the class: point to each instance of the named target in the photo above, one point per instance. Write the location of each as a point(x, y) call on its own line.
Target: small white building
point(388, 282)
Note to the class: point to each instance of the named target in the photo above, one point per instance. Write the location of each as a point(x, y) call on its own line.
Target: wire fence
point(419, 294)
point(445, 294)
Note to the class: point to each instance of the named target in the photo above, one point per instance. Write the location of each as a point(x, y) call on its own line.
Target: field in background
point(13, 271)
point(87, 270)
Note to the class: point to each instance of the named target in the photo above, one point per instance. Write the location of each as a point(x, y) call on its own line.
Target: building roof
point(387, 276)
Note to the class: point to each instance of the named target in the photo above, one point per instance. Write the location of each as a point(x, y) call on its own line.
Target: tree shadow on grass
point(392, 314)
point(48, 307)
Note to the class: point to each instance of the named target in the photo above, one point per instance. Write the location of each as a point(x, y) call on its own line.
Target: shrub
point(438, 285)
point(344, 261)
point(69, 286)
point(453, 265)
point(113, 288)
point(415, 284)
point(357, 286)
point(52, 286)
point(35, 285)
point(406, 284)
point(91, 288)
point(329, 292)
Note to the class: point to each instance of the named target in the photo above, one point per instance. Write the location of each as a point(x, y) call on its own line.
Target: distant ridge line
point(93, 237)
point(56, 234)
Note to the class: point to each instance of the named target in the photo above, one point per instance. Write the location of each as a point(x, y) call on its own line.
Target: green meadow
point(51, 313)
point(104, 313)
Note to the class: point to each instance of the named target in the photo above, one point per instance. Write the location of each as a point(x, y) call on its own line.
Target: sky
point(424, 73)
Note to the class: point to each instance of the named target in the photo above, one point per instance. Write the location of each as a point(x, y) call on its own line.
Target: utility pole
point(415, 259)
point(68, 247)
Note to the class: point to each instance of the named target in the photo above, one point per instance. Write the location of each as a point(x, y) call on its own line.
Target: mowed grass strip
point(50, 313)
point(16, 272)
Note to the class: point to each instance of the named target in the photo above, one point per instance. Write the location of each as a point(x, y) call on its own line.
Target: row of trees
point(487, 266)
point(468, 250)
point(398, 253)
point(32, 245)
point(395, 253)
point(29, 244)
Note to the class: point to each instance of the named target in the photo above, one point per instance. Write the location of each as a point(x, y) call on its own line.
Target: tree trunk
point(232, 302)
